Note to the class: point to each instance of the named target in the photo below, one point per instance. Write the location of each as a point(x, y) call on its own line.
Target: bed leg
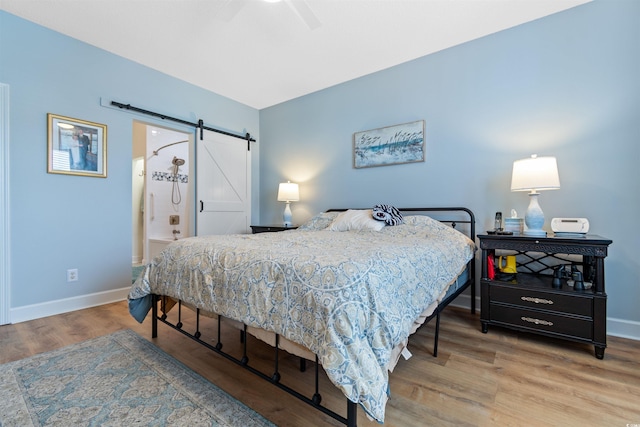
point(435, 340)
point(473, 288)
point(154, 316)
point(276, 374)
point(245, 358)
point(198, 334)
point(317, 397)
point(179, 324)
point(352, 414)
point(219, 343)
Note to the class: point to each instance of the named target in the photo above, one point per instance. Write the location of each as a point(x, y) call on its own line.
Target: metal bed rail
point(274, 378)
point(471, 265)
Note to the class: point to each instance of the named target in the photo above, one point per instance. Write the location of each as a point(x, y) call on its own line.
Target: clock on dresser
point(529, 300)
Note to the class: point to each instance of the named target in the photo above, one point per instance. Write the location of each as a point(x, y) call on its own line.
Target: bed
point(340, 290)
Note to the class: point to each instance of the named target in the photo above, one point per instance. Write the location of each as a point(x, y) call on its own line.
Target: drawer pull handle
point(537, 300)
point(537, 321)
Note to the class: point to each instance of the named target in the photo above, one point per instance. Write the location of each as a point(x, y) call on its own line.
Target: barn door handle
point(201, 205)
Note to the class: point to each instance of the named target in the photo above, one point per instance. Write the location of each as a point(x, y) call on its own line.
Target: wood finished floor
point(501, 378)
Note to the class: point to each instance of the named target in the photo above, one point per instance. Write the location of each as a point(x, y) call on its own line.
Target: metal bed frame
point(316, 399)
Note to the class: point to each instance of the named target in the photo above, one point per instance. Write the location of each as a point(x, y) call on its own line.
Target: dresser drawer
point(538, 299)
point(542, 321)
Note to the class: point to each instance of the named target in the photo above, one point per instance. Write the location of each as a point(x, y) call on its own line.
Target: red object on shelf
point(491, 268)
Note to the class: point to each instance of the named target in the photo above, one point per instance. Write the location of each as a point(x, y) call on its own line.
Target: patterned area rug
point(116, 380)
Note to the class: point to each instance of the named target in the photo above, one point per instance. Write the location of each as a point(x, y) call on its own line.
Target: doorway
point(162, 189)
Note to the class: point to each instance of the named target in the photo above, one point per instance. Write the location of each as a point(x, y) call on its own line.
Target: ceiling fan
point(230, 8)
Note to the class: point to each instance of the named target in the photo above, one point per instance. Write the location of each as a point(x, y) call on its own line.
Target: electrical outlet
point(72, 275)
point(174, 219)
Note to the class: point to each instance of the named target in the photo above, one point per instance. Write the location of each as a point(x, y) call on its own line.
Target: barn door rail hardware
point(200, 125)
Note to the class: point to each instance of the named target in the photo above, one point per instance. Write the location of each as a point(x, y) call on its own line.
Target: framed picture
point(76, 147)
point(390, 145)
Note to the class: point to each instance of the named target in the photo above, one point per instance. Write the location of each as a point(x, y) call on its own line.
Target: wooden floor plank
point(499, 378)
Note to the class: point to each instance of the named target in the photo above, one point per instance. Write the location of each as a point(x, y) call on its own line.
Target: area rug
point(116, 380)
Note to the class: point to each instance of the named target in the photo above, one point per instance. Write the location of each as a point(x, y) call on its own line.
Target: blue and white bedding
point(349, 297)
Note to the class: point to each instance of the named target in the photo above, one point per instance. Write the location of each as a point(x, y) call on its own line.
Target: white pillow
point(319, 222)
point(353, 219)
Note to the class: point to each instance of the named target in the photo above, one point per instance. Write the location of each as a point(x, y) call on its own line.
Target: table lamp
point(535, 174)
point(288, 192)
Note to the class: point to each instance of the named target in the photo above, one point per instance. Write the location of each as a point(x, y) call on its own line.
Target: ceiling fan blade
point(229, 9)
point(302, 9)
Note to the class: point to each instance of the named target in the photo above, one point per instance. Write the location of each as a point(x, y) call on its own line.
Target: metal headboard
point(471, 220)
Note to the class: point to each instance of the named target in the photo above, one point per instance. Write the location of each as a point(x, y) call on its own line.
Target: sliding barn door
point(223, 184)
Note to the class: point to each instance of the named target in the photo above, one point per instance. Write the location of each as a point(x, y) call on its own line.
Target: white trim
point(51, 308)
point(623, 328)
point(5, 265)
point(615, 327)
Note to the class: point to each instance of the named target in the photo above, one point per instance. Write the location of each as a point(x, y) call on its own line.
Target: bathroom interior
point(161, 191)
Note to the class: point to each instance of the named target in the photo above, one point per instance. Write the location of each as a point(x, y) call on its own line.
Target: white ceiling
point(266, 53)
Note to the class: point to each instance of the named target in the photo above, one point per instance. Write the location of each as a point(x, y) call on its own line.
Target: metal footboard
point(274, 378)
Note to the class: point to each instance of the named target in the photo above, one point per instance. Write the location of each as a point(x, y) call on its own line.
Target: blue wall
point(59, 222)
point(566, 85)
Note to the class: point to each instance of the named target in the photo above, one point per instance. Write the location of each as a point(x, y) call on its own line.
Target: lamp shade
point(288, 192)
point(535, 173)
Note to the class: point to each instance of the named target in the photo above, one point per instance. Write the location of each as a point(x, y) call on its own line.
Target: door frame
point(5, 266)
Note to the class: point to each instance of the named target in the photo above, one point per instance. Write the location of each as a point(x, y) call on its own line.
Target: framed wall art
point(76, 147)
point(389, 145)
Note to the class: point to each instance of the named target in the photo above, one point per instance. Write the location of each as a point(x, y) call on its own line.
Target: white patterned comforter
point(349, 297)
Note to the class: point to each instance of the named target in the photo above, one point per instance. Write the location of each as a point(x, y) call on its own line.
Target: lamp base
point(287, 216)
point(534, 218)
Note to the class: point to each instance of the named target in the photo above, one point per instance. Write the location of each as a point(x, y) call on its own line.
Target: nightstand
point(271, 228)
point(527, 301)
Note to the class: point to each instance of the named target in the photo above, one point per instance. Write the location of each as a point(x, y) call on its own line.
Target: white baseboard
point(623, 328)
point(615, 327)
point(51, 308)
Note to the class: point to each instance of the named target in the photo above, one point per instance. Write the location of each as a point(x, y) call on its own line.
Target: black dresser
point(530, 301)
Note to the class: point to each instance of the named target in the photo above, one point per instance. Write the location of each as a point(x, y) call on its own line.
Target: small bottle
point(498, 222)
